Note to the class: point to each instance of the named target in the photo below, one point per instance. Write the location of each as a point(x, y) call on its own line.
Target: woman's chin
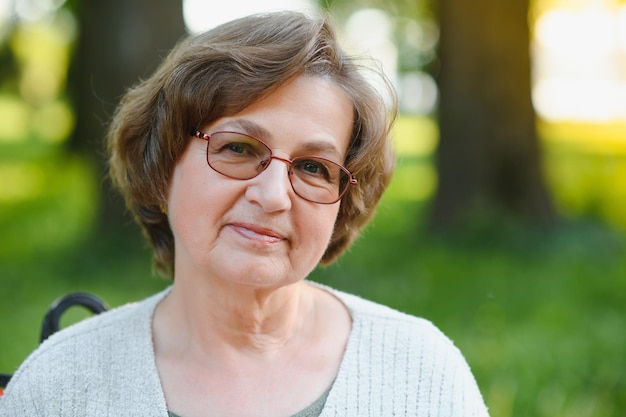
point(256, 271)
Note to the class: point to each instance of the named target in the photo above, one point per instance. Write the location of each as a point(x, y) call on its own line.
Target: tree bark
point(120, 41)
point(489, 155)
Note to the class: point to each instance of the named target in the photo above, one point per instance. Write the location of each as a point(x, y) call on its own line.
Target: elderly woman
point(256, 151)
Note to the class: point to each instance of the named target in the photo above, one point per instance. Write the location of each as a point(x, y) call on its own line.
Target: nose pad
point(271, 189)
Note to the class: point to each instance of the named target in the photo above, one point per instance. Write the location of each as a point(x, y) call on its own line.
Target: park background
point(505, 223)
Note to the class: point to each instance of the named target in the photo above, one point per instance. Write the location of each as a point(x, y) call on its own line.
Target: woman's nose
point(271, 189)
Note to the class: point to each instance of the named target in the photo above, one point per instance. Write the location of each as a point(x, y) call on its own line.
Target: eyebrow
point(256, 130)
point(250, 128)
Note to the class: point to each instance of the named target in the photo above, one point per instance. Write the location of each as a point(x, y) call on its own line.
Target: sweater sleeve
point(31, 391)
point(20, 400)
point(430, 375)
point(458, 393)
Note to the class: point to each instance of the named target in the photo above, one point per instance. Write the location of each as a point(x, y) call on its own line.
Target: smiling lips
point(258, 234)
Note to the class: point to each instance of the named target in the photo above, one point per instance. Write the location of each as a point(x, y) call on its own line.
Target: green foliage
point(46, 203)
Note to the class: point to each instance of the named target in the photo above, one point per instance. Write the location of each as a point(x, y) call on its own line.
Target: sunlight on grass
point(585, 166)
point(599, 139)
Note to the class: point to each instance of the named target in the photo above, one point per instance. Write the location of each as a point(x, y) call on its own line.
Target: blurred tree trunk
point(119, 42)
point(489, 156)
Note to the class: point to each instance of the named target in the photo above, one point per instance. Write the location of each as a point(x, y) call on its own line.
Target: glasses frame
point(352, 181)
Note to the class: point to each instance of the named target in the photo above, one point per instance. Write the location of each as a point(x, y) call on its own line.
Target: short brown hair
point(221, 72)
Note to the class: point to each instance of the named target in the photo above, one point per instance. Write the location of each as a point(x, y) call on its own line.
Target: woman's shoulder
point(393, 355)
point(88, 350)
point(90, 364)
point(388, 331)
point(364, 310)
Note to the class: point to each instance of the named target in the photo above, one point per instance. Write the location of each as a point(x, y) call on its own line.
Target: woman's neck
point(234, 317)
point(245, 349)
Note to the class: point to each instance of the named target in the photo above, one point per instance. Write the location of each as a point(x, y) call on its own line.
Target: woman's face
point(259, 232)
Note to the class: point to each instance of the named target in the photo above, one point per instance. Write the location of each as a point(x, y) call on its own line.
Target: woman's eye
point(236, 147)
point(239, 148)
point(313, 167)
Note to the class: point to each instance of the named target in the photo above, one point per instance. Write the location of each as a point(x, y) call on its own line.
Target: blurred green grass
point(539, 314)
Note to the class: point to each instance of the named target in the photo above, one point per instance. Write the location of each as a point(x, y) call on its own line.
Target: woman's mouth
point(258, 234)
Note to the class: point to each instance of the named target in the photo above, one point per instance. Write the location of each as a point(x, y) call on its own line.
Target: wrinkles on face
point(259, 232)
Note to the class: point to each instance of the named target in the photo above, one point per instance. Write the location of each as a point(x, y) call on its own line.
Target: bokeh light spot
point(14, 119)
point(53, 122)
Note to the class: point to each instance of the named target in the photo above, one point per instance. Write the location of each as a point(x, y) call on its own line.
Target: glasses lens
point(243, 157)
point(318, 179)
point(237, 155)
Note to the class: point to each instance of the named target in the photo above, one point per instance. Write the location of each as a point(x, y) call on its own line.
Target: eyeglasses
point(243, 157)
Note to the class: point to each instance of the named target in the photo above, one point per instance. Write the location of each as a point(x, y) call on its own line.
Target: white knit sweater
point(394, 365)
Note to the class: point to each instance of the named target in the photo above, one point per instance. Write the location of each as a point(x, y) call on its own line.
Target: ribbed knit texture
point(394, 365)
